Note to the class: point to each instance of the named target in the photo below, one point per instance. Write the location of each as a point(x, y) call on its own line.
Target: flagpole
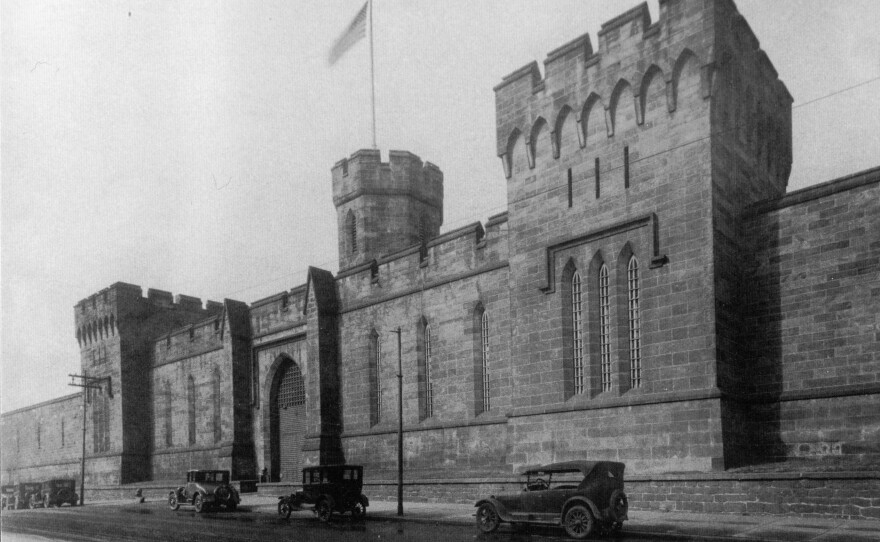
point(372, 75)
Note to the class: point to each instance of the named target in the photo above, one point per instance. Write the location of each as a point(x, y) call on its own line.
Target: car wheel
point(172, 501)
point(487, 518)
point(284, 508)
point(199, 503)
point(323, 510)
point(358, 511)
point(578, 522)
point(619, 506)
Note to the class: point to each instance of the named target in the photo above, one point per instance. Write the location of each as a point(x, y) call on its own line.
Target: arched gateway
point(287, 421)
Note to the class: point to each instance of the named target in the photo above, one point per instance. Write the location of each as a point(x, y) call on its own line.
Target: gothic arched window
point(635, 328)
point(216, 396)
point(605, 327)
point(484, 348)
point(191, 410)
point(577, 333)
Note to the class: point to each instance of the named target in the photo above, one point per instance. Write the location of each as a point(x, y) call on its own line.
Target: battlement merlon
point(404, 174)
point(630, 50)
point(108, 306)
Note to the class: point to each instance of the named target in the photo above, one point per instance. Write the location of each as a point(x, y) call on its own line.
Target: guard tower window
point(596, 167)
point(626, 167)
point(351, 227)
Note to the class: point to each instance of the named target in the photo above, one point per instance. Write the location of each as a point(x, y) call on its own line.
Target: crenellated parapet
point(192, 339)
point(280, 312)
point(385, 206)
point(364, 173)
point(98, 317)
point(610, 89)
point(470, 250)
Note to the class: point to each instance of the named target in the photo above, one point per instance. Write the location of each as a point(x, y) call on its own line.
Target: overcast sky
point(187, 146)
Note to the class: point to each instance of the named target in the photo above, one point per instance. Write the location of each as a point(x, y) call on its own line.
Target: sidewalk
point(657, 525)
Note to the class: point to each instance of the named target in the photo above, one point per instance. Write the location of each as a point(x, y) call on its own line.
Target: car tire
point(358, 510)
point(487, 518)
point(323, 510)
point(173, 503)
point(578, 522)
point(284, 508)
point(619, 506)
point(199, 503)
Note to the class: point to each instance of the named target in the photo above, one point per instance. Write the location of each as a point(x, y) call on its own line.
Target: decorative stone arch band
point(645, 221)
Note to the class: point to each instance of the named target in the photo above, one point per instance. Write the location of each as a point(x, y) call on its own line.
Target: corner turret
point(383, 207)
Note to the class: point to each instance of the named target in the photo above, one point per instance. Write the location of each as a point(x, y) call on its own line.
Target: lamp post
point(399, 424)
point(88, 383)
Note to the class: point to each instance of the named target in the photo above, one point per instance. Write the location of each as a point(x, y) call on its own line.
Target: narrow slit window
point(635, 330)
point(484, 342)
point(569, 188)
point(604, 328)
point(577, 321)
point(597, 178)
point(626, 167)
point(429, 386)
point(377, 368)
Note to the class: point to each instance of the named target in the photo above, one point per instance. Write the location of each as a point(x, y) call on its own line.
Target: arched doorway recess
point(287, 422)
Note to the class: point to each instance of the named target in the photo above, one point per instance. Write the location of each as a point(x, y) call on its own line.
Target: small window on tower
point(569, 188)
point(351, 226)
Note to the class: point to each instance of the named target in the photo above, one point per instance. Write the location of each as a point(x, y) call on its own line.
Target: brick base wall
point(841, 495)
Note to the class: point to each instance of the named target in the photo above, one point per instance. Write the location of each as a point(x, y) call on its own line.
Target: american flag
point(355, 31)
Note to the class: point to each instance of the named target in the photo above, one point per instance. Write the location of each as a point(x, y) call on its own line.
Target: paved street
point(257, 520)
point(153, 521)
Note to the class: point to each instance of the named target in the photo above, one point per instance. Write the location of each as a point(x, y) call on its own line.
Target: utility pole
point(399, 424)
point(88, 383)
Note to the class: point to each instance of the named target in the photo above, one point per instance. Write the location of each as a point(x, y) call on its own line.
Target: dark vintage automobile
point(205, 489)
point(7, 494)
point(328, 489)
point(57, 492)
point(25, 495)
point(581, 496)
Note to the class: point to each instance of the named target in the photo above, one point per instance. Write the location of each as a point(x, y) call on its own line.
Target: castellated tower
point(383, 207)
point(114, 329)
point(629, 172)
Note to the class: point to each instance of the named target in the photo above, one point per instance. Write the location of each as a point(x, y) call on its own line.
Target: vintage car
point(328, 489)
point(26, 495)
point(582, 496)
point(57, 492)
point(205, 489)
point(7, 494)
